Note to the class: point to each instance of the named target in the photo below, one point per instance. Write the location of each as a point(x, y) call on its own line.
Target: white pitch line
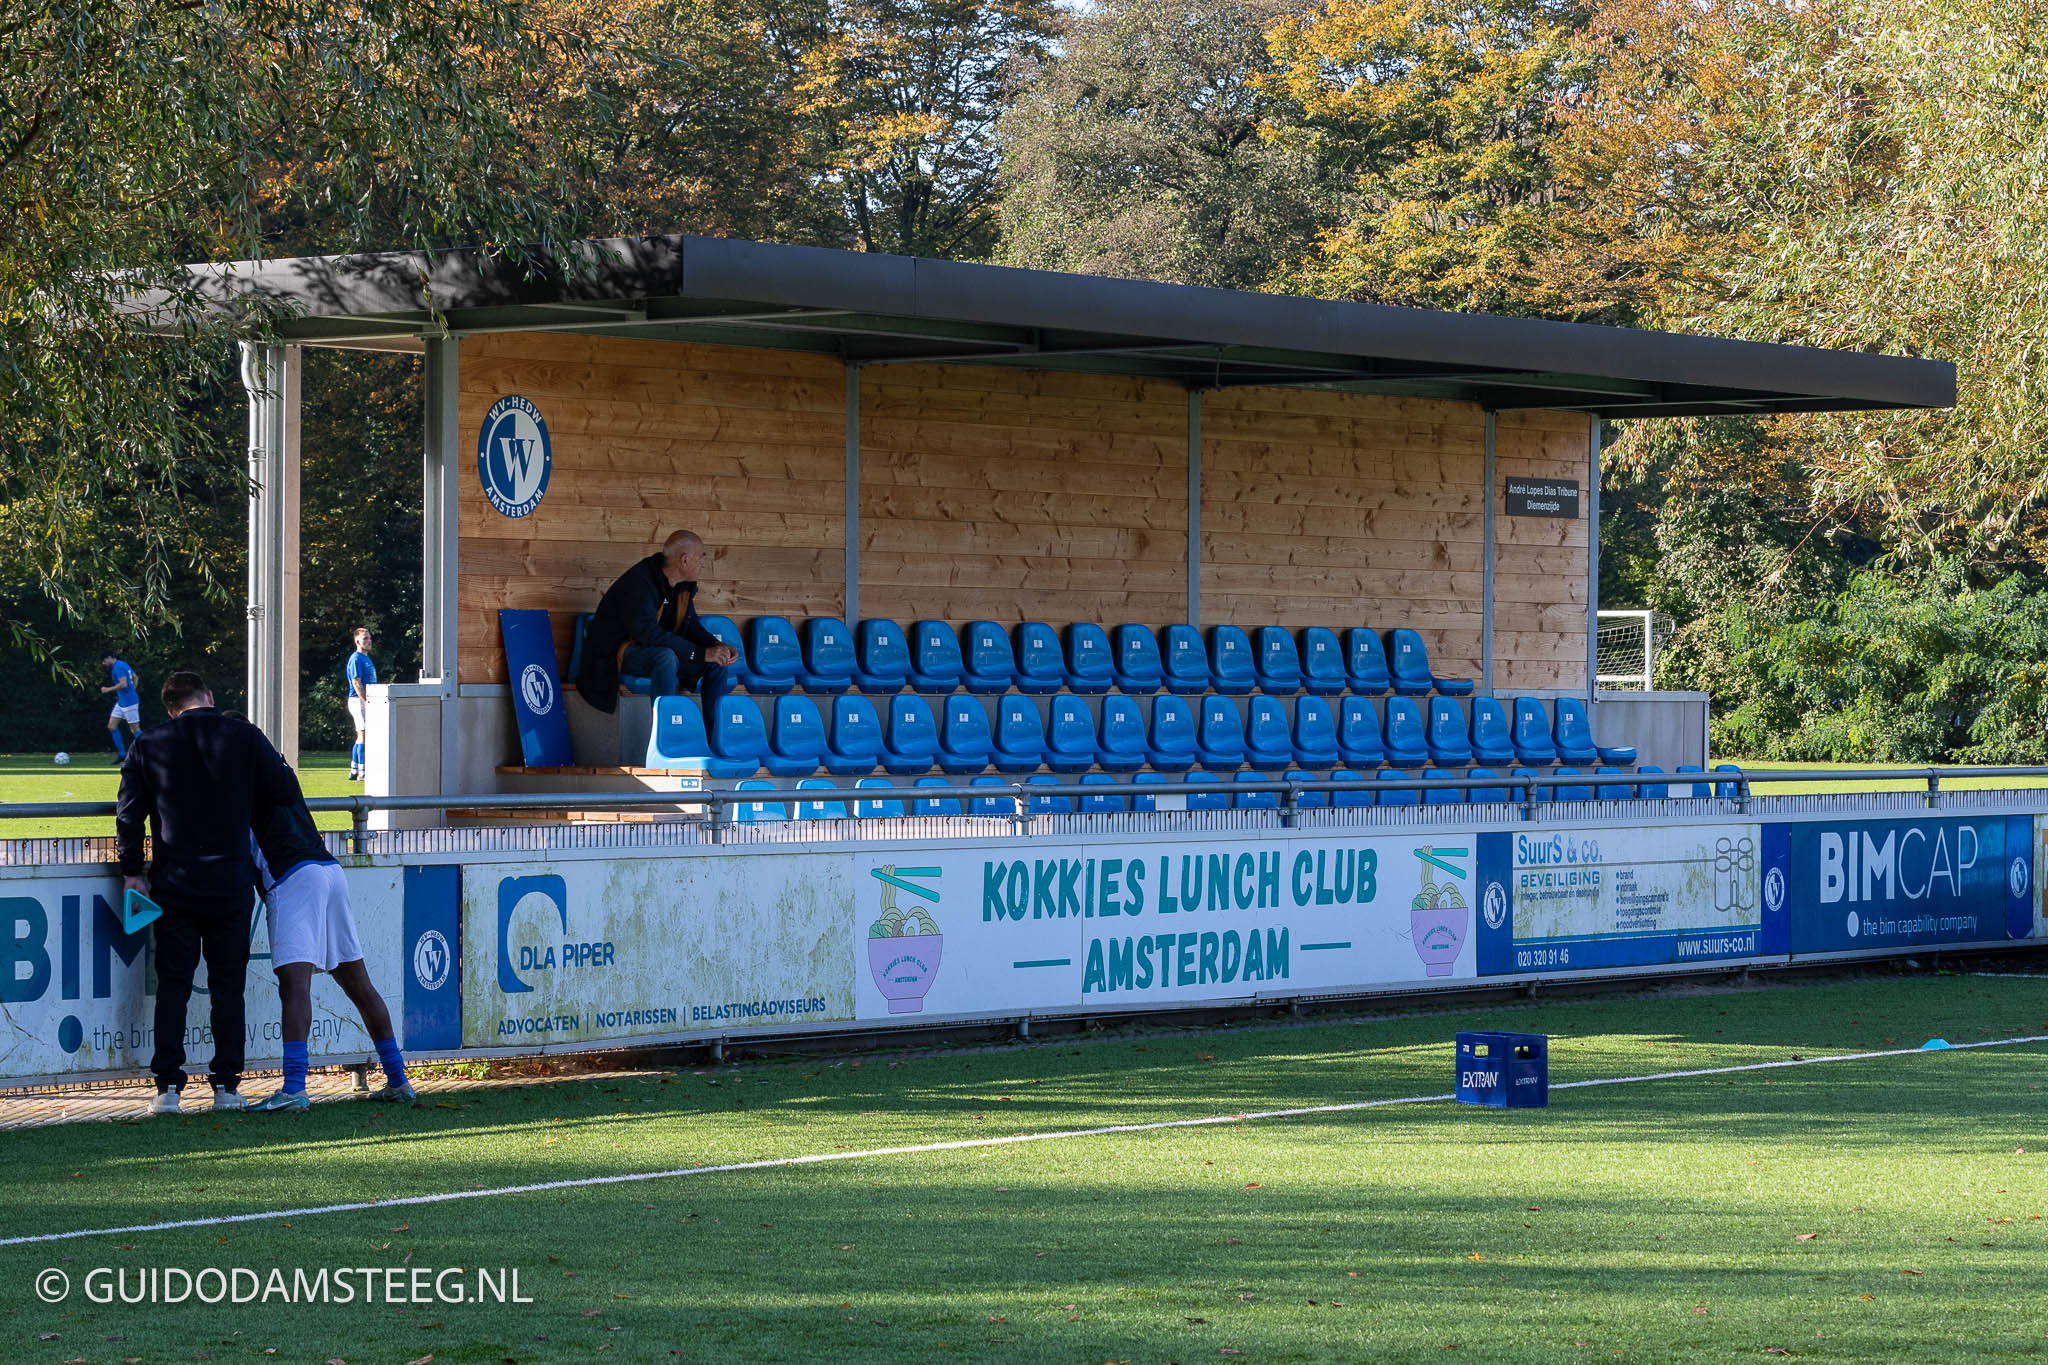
point(818, 1158)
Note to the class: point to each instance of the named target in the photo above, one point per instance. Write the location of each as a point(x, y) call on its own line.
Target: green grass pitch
point(96, 776)
point(1882, 1208)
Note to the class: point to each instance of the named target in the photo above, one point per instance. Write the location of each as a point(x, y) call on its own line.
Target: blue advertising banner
point(433, 958)
point(1867, 884)
point(536, 689)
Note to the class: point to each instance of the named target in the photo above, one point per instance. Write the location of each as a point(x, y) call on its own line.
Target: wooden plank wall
point(1016, 495)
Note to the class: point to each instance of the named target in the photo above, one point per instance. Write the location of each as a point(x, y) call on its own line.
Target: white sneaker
point(224, 1098)
point(165, 1102)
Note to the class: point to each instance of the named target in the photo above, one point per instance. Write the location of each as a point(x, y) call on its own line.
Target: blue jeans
point(673, 675)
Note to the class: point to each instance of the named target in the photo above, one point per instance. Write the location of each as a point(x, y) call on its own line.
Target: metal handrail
point(720, 801)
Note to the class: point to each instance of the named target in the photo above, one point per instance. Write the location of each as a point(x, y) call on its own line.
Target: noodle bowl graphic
point(904, 947)
point(1438, 916)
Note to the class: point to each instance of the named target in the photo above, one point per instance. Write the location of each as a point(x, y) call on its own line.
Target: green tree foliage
point(1145, 150)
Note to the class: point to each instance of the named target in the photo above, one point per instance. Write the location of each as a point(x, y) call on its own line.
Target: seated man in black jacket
point(647, 624)
point(197, 780)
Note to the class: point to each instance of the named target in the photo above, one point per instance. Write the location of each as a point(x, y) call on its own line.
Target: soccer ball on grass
point(62, 759)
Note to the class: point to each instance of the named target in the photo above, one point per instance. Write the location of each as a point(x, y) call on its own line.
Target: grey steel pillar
point(440, 470)
point(1486, 570)
point(1593, 568)
point(270, 374)
point(1195, 508)
point(853, 495)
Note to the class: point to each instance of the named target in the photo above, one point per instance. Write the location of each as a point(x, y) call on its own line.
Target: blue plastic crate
point(1504, 1070)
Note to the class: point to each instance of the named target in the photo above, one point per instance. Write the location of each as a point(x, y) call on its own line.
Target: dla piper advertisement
point(78, 994)
point(1866, 884)
point(1560, 900)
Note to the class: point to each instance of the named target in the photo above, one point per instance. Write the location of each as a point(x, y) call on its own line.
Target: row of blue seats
point(794, 739)
point(1388, 794)
point(879, 658)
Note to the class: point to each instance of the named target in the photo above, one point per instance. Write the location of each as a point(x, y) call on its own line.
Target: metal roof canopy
point(868, 309)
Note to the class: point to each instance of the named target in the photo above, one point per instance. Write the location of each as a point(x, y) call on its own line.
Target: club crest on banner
point(537, 688)
point(514, 456)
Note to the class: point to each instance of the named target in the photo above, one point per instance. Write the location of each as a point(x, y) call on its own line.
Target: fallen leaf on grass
point(590, 1312)
point(1998, 1220)
point(1700, 1311)
point(403, 1227)
point(1475, 1256)
point(1210, 1057)
point(48, 1336)
point(1194, 1319)
point(1776, 1351)
point(1352, 1273)
point(1912, 1272)
point(996, 1319)
point(1228, 1351)
point(1804, 1236)
point(425, 1359)
point(1866, 1296)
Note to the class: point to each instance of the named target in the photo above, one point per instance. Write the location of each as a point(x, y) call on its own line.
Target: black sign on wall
point(1543, 498)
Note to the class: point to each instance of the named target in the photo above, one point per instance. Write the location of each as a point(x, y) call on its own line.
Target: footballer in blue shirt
point(360, 674)
point(127, 702)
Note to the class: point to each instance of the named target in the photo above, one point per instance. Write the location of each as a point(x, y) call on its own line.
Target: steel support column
point(853, 496)
point(1486, 567)
point(270, 374)
point(439, 622)
point(1195, 508)
point(1593, 566)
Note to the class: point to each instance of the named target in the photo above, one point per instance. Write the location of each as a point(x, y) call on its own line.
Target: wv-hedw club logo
point(903, 946)
point(537, 688)
point(1439, 917)
point(513, 456)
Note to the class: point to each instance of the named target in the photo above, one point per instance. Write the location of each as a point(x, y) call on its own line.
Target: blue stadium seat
point(638, 684)
point(1613, 791)
point(1322, 662)
point(1700, 790)
point(727, 633)
point(1231, 667)
point(1267, 744)
point(739, 738)
point(1362, 796)
point(797, 746)
point(1184, 661)
point(678, 732)
point(1049, 805)
point(874, 807)
point(935, 661)
point(1315, 734)
point(1573, 791)
point(991, 805)
point(1650, 792)
point(1307, 800)
point(1483, 794)
point(757, 812)
point(1138, 669)
point(1172, 745)
point(1365, 659)
point(965, 742)
point(1206, 800)
point(1278, 662)
point(1257, 800)
point(1398, 796)
point(1101, 803)
point(1493, 735)
point(827, 655)
point(1449, 736)
point(1533, 744)
point(1410, 659)
point(1070, 744)
point(1358, 733)
point(913, 742)
point(1143, 801)
point(1121, 743)
point(1442, 796)
point(1541, 792)
point(1575, 733)
point(1407, 733)
point(1091, 665)
point(990, 665)
point(935, 805)
point(1019, 737)
point(819, 810)
point(881, 657)
point(1041, 663)
point(1219, 735)
point(773, 656)
point(856, 743)
point(1727, 791)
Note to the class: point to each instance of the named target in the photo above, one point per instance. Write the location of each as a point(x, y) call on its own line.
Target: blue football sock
point(355, 756)
point(295, 1068)
point(120, 744)
point(392, 1060)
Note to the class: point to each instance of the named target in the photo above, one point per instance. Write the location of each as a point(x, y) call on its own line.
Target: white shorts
point(310, 920)
point(131, 713)
point(359, 713)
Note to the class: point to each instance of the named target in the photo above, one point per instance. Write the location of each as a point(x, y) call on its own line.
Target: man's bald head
point(682, 556)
